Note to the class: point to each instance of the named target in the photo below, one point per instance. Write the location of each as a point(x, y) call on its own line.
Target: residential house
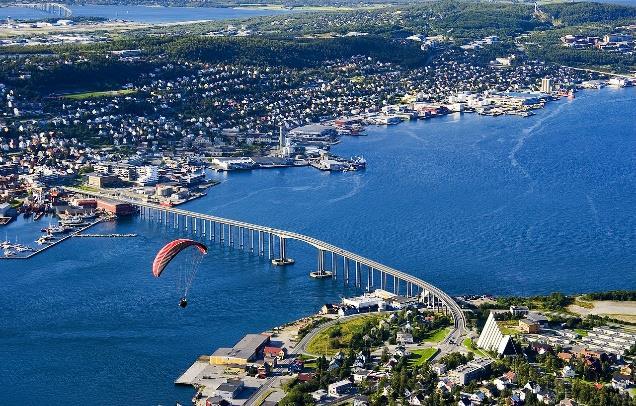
point(340, 388)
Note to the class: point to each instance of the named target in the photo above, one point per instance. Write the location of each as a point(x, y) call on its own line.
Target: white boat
point(72, 221)
point(57, 229)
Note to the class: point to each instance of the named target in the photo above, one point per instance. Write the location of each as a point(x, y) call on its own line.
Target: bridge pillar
point(270, 245)
point(230, 235)
point(251, 240)
point(358, 276)
point(213, 228)
point(221, 233)
point(261, 244)
point(282, 259)
point(321, 273)
point(372, 271)
point(203, 224)
point(334, 266)
point(194, 224)
point(345, 270)
point(368, 279)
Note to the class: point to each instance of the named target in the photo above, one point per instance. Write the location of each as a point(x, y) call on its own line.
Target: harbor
point(10, 254)
point(412, 191)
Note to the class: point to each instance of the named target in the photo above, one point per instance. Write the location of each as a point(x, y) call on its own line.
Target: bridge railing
point(456, 311)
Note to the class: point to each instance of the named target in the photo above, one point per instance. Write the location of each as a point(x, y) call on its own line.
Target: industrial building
point(246, 350)
point(113, 207)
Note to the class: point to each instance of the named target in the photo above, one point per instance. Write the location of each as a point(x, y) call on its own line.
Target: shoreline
point(320, 321)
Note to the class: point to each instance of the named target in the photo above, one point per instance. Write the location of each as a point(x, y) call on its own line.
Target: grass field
point(581, 332)
point(321, 343)
point(92, 95)
point(437, 335)
point(419, 357)
point(509, 327)
point(470, 346)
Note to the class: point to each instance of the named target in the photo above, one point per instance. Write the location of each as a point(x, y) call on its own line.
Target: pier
point(54, 243)
point(351, 268)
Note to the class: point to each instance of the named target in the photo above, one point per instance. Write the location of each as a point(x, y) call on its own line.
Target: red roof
point(274, 350)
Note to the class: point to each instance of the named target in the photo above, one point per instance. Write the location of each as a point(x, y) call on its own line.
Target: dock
point(53, 244)
point(105, 235)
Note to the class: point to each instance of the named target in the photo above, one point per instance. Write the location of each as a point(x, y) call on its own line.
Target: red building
point(118, 208)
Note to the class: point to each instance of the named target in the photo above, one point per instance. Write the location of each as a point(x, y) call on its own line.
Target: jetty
point(56, 242)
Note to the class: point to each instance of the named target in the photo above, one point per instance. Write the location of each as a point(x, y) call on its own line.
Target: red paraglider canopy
point(167, 253)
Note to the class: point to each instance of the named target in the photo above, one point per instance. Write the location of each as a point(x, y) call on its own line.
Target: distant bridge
point(351, 267)
point(56, 9)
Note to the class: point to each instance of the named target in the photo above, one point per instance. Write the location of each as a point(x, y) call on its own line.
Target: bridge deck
point(458, 314)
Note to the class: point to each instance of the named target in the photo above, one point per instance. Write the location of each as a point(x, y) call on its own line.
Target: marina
point(46, 244)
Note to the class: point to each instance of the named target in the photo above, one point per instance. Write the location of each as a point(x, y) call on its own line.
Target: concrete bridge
point(50, 8)
point(332, 261)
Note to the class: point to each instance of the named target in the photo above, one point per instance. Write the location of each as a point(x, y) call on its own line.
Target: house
point(404, 338)
point(565, 356)
point(274, 352)
point(621, 382)
point(445, 385)
point(439, 369)
point(519, 310)
point(216, 401)
point(360, 375)
point(329, 308)
point(538, 318)
point(568, 402)
point(546, 396)
point(305, 376)
point(339, 388)
point(229, 390)
point(464, 401)
point(506, 380)
point(319, 395)
point(532, 386)
point(477, 397)
point(541, 348)
point(416, 399)
point(568, 372)
point(516, 399)
point(528, 326)
point(400, 351)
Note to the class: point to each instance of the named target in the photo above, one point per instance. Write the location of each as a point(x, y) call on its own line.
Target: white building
point(339, 388)
point(147, 175)
point(364, 302)
point(546, 85)
point(491, 337)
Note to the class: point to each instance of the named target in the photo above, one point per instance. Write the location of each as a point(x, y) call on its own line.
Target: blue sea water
point(143, 14)
point(504, 205)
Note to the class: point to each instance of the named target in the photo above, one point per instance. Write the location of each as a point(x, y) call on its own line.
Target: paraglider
point(165, 256)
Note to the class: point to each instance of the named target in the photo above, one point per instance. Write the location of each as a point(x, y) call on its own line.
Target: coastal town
point(381, 348)
point(115, 131)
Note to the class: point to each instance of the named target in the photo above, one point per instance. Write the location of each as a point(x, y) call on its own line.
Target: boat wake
point(269, 189)
point(526, 134)
point(358, 185)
